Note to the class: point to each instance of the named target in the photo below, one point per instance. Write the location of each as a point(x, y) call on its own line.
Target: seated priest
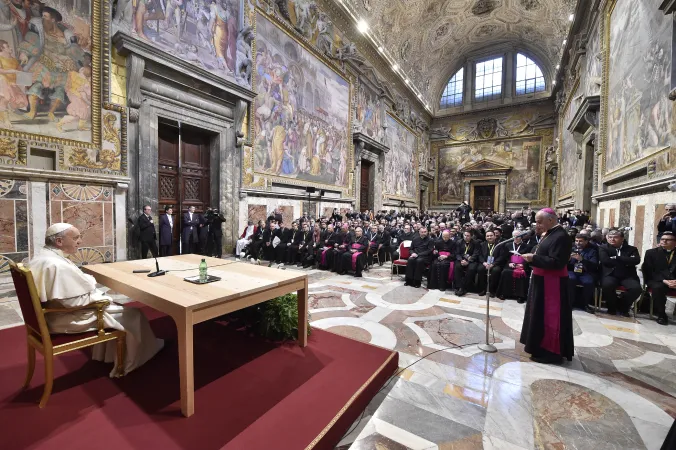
point(294, 245)
point(441, 269)
point(306, 247)
point(493, 259)
point(253, 250)
point(514, 277)
point(375, 243)
point(385, 248)
point(61, 284)
point(618, 268)
point(355, 257)
point(421, 254)
point(270, 238)
point(342, 245)
point(309, 255)
point(285, 237)
point(467, 253)
point(659, 273)
point(328, 242)
point(583, 269)
point(245, 239)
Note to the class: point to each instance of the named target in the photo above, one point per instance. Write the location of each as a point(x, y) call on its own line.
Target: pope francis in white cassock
point(60, 283)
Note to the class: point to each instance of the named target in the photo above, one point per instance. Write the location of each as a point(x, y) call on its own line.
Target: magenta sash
point(450, 268)
point(355, 255)
point(552, 302)
point(517, 272)
point(324, 256)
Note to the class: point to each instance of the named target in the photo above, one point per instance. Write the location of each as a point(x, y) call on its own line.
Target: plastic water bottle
point(203, 271)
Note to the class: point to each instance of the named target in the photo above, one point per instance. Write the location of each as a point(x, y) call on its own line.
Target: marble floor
point(617, 393)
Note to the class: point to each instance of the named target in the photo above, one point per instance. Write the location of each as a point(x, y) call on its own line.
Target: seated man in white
point(245, 239)
point(60, 283)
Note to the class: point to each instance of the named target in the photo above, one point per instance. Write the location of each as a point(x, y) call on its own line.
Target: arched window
point(453, 93)
point(488, 79)
point(529, 78)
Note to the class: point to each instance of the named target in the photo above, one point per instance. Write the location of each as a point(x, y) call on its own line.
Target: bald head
point(545, 220)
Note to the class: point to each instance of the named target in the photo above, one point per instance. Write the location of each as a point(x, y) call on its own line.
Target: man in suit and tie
point(190, 237)
point(659, 273)
point(618, 263)
point(167, 231)
point(148, 234)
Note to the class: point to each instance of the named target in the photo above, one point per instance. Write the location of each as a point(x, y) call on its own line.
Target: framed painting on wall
point(401, 162)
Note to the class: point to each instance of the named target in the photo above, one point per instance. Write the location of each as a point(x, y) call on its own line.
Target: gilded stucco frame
point(418, 139)
point(100, 26)
point(265, 179)
point(547, 140)
point(562, 127)
point(632, 166)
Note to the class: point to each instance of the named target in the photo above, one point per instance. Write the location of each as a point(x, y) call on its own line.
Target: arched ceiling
point(429, 38)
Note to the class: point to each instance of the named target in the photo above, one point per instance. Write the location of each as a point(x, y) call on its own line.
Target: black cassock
point(548, 322)
point(415, 267)
point(333, 260)
point(440, 269)
point(513, 282)
point(354, 260)
point(328, 240)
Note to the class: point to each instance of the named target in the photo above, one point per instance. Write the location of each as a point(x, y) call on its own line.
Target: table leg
point(302, 315)
point(184, 327)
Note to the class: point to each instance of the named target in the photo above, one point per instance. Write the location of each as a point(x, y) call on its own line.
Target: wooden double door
point(484, 198)
point(365, 186)
point(186, 184)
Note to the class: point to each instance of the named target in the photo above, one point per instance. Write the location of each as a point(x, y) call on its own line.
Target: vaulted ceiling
point(429, 39)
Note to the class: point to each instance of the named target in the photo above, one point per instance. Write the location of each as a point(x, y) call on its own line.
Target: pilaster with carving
point(502, 194)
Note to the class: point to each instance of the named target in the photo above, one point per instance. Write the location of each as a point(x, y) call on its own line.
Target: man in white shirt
point(190, 235)
point(60, 283)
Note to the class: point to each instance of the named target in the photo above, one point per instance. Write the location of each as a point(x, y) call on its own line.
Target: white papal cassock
point(60, 282)
point(242, 243)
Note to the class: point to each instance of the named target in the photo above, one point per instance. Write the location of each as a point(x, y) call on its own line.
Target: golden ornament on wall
point(8, 147)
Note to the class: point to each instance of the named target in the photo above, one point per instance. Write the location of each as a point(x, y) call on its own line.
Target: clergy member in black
point(305, 247)
point(659, 273)
point(421, 253)
point(493, 259)
point(343, 242)
point(444, 250)
point(375, 243)
point(285, 237)
point(269, 235)
point(466, 255)
point(294, 244)
point(618, 268)
point(328, 242)
point(547, 329)
point(355, 257)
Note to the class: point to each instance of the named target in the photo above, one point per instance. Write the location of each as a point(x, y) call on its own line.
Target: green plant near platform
point(279, 318)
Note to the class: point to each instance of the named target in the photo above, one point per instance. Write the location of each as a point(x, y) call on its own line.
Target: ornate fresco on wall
point(202, 32)
point(302, 112)
point(401, 162)
point(593, 69)
point(568, 161)
point(14, 220)
point(49, 47)
point(638, 74)
point(522, 154)
point(368, 113)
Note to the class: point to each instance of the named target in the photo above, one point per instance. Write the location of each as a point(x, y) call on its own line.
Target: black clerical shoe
point(460, 292)
point(521, 300)
point(501, 297)
point(406, 283)
point(482, 294)
point(554, 359)
point(664, 320)
point(590, 309)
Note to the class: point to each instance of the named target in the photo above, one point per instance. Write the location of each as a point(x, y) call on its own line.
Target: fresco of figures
point(368, 113)
point(202, 32)
point(401, 162)
point(569, 159)
point(46, 68)
point(523, 155)
point(639, 76)
point(301, 112)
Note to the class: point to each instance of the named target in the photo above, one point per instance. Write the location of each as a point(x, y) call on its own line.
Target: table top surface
point(237, 279)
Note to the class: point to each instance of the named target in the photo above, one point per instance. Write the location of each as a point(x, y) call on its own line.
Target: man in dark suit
point(467, 254)
point(493, 259)
point(421, 255)
point(167, 231)
point(668, 220)
point(148, 234)
point(583, 269)
point(215, 239)
point(618, 262)
point(464, 210)
point(659, 273)
point(189, 238)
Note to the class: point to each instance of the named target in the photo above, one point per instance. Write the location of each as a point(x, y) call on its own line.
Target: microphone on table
point(157, 272)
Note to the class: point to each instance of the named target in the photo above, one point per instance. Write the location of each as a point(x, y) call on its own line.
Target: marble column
point(121, 221)
point(502, 195)
point(135, 69)
point(466, 191)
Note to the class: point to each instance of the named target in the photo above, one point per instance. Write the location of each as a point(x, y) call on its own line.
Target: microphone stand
point(157, 272)
point(488, 347)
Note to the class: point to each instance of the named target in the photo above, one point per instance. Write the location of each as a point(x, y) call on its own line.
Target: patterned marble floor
point(617, 393)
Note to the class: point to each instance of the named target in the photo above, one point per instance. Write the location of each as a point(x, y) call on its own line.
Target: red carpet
point(249, 394)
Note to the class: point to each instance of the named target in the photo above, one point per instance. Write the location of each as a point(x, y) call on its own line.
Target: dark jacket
point(215, 225)
point(655, 267)
point(471, 250)
point(166, 232)
point(147, 228)
point(445, 246)
point(590, 260)
point(621, 267)
point(499, 253)
point(190, 227)
point(668, 224)
point(423, 247)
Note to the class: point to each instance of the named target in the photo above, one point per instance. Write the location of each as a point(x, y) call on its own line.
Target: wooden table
point(188, 304)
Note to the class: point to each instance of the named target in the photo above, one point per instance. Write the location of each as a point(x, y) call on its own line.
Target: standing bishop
point(61, 284)
point(547, 329)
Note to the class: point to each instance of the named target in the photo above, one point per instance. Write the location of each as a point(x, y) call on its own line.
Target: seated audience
point(668, 220)
point(466, 256)
point(659, 273)
point(294, 243)
point(420, 253)
point(490, 259)
point(355, 257)
point(285, 236)
point(253, 250)
point(245, 239)
point(61, 284)
point(583, 269)
point(307, 242)
point(618, 261)
point(342, 245)
point(441, 269)
point(515, 276)
point(328, 242)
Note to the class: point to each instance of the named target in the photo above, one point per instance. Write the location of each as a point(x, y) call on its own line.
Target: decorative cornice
point(370, 143)
point(586, 115)
point(25, 173)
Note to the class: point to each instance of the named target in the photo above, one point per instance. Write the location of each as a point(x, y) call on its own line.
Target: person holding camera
point(464, 210)
point(583, 269)
point(618, 261)
point(659, 273)
point(214, 245)
point(668, 220)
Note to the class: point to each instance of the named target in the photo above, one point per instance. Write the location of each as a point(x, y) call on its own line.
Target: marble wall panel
point(88, 218)
point(639, 227)
point(21, 225)
point(287, 215)
point(257, 213)
point(108, 224)
point(7, 232)
point(14, 221)
point(602, 220)
point(625, 214)
point(611, 218)
point(55, 215)
point(659, 212)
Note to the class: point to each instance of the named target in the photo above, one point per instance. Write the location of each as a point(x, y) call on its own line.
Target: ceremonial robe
point(441, 270)
point(355, 257)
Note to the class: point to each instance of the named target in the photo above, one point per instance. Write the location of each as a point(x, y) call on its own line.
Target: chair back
point(404, 252)
point(29, 301)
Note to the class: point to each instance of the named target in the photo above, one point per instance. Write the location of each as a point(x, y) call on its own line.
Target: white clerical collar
point(59, 253)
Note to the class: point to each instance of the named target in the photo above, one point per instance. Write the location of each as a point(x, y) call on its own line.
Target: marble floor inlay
point(619, 392)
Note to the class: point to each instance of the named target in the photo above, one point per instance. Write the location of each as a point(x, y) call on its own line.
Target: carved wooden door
point(365, 187)
point(484, 198)
point(190, 186)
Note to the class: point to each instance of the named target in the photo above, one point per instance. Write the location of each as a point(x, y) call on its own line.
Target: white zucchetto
point(57, 228)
